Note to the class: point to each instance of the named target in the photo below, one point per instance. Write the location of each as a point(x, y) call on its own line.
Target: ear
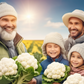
point(83, 29)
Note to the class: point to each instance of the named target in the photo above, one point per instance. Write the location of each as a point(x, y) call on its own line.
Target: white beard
point(7, 36)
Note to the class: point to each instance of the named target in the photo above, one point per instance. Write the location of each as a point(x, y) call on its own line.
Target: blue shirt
point(48, 61)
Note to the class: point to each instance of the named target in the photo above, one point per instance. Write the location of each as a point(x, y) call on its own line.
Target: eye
point(79, 57)
point(76, 23)
point(49, 46)
point(4, 19)
point(13, 20)
point(70, 23)
point(72, 56)
point(55, 46)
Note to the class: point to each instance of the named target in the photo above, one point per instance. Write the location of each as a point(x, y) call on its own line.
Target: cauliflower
point(27, 60)
point(28, 67)
point(7, 67)
point(8, 70)
point(74, 79)
point(55, 72)
point(19, 69)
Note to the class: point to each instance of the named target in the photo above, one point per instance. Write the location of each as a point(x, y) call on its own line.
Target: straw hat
point(76, 13)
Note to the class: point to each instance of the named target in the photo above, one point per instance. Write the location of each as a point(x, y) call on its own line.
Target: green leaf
point(67, 68)
point(38, 70)
point(47, 79)
point(25, 75)
point(8, 79)
point(14, 58)
point(44, 82)
point(5, 80)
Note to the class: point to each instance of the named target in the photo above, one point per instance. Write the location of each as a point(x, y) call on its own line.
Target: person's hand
point(56, 83)
point(33, 81)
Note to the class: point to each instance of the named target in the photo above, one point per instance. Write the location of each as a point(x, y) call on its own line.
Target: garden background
point(34, 48)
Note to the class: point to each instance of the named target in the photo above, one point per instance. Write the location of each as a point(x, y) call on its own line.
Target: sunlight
point(29, 16)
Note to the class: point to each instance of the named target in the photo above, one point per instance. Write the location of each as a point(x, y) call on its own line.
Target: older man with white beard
point(10, 41)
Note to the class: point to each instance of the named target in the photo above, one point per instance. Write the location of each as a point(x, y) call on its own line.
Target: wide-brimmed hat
point(76, 13)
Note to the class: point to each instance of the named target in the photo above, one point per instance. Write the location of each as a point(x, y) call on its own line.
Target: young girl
point(76, 58)
point(53, 48)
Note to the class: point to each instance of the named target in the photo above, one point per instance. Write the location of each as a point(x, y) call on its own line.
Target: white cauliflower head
point(27, 60)
point(74, 79)
point(7, 66)
point(55, 70)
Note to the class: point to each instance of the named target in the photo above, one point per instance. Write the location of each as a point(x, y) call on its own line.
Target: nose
point(72, 26)
point(52, 48)
point(75, 59)
point(9, 24)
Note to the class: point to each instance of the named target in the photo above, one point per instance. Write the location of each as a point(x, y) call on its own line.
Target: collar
point(17, 39)
point(56, 60)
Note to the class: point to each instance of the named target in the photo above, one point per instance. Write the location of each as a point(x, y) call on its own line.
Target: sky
point(37, 18)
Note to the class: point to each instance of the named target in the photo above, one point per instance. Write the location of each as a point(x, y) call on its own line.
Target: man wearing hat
point(74, 21)
point(10, 41)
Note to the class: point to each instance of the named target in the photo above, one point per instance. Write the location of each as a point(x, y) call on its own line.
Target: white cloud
point(48, 19)
point(54, 24)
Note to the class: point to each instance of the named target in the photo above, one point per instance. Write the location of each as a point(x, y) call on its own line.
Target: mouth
point(75, 63)
point(9, 30)
point(52, 52)
point(73, 31)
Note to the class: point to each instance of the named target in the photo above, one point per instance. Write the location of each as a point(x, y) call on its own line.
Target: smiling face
point(53, 50)
point(8, 23)
point(76, 60)
point(75, 27)
point(8, 27)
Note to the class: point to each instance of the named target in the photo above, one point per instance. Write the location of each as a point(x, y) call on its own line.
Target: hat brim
point(66, 17)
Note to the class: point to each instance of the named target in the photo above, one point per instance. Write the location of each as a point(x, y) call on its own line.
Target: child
point(53, 48)
point(76, 58)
